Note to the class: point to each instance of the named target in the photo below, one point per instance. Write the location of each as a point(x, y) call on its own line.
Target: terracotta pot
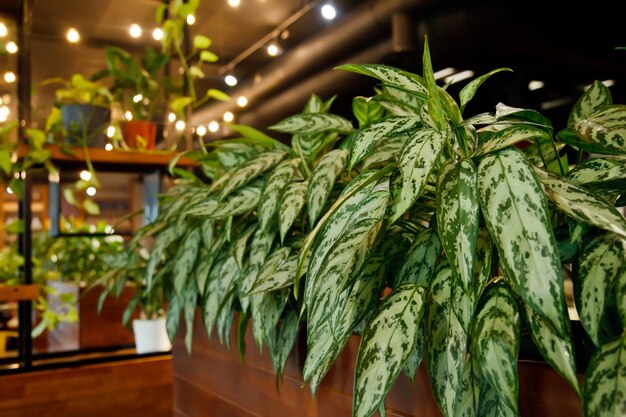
point(143, 128)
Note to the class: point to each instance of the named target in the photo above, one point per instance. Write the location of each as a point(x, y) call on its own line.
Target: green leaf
point(201, 42)
point(266, 311)
point(510, 136)
point(281, 277)
point(594, 99)
point(447, 340)
point(190, 298)
point(239, 202)
point(220, 286)
point(217, 94)
point(322, 181)
point(259, 249)
point(482, 263)
point(458, 216)
point(290, 206)
point(178, 104)
point(490, 405)
point(196, 72)
point(162, 241)
point(434, 104)
point(285, 340)
point(605, 382)
point(273, 261)
point(413, 362)
point(557, 350)
point(172, 318)
point(421, 260)
point(468, 92)
point(36, 138)
point(602, 264)
point(600, 173)
point(417, 158)
point(91, 207)
point(469, 391)
point(311, 123)
point(208, 56)
point(203, 269)
point(250, 170)
point(582, 204)
point(496, 343)
point(273, 190)
point(185, 260)
point(386, 344)
point(239, 248)
point(390, 75)
point(365, 139)
point(367, 110)
point(516, 215)
point(5, 161)
point(386, 151)
point(606, 128)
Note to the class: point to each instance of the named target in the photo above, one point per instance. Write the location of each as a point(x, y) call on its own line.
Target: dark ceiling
point(564, 46)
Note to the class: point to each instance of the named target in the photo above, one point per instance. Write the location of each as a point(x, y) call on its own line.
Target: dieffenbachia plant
point(472, 223)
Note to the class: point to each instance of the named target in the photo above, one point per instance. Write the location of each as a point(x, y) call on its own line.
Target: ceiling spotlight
point(284, 35)
point(328, 12)
point(234, 3)
point(9, 77)
point(535, 85)
point(214, 126)
point(72, 35)
point(135, 30)
point(463, 75)
point(171, 117)
point(9, 190)
point(3, 30)
point(137, 98)
point(157, 34)
point(128, 115)
point(201, 130)
point(273, 49)
point(444, 73)
point(110, 131)
point(91, 191)
point(230, 80)
point(228, 117)
point(180, 125)
point(242, 101)
point(11, 47)
point(85, 175)
point(191, 19)
point(108, 147)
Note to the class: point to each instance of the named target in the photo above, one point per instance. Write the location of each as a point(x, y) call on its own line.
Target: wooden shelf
point(119, 160)
point(19, 292)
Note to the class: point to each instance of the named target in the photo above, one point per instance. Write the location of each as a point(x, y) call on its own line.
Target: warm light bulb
point(535, 85)
point(108, 147)
point(3, 30)
point(72, 35)
point(9, 77)
point(137, 98)
point(230, 80)
point(11, 47)
point(201, 130)
point(135, 30)
point(273, 49)
point(228, 117)
point(91, 191)
point(328, 12)
point(171, 117)
point(180, 125)
point(128, 115)
point(9, 190)
point(214, 126)
point(242, 101)
point(234, 3)
point(191, 19)
point(157, 34)
point(4, 113)
point(110, 131)
point(85, 175)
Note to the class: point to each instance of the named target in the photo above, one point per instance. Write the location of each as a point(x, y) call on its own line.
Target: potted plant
point(139, 88)
point(84, 110)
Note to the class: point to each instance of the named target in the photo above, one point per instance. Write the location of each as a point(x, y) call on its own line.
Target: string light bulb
point(171, 117)
point(11, 47)
point(3, 30)
point(157, 34)
point(72, 35)
point(328, 12)
point(9, 77)
point(234, 3)
point(201, 130)
point(91, 191)
point(228, 117)
point(128, 115)
point(214, 126)
point(108, 147)
point(135, 30)
point(242, 101)
point(191, 19)
point(180, 125)
point(85, 175)
point(137, 98)
point(273, 49)
point(230, 80)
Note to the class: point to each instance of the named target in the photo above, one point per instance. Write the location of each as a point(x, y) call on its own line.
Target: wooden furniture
point(18, 292)
point(213, 378)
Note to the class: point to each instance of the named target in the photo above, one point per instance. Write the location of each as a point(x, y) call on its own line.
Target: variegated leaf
point(202, 209)
point(367, 110)
point(606, 128)
point(421, 260)
point(398, 108)
point(322, 181)
point(582, 204)
point(596, 97)
point(386, 151)
point(387, 342)
point(605, 382)
point(468, 92)
point(207, 230)
point(202, 269)
point(283, 343)
point(271, 263)
point(516, 215)
point(496, 343)
point(601, 173)
point(291, 205)
point(273, 190)
point(434, 106)
point(482, 263)
point(283, 276)
point(250, 170)
point(364, 140)
point(469, 391)
point(266, 311)
point(414, 101)
point(510, 136)
point(311, 123)
point(458, 216)
point(328, 342)
point(222, 281)
point(185, 260)
point(490, 405)
point(162, 241)
point(172, 318)
point(447, 341)
point(239, 202)
point(602, 263)
point(189, 298)
point(557, 350)
point(390, 75)
point(417, 158)
point(507, 114)
point(239, 248)
point(414, 360)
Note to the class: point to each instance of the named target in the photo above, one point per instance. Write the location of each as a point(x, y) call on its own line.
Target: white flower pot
point(151, 335)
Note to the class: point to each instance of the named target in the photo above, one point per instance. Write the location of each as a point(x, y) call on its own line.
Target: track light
point(230, 80)
point(328, 12)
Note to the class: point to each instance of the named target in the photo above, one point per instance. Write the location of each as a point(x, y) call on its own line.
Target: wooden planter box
point(213, 378)
point(18, 292)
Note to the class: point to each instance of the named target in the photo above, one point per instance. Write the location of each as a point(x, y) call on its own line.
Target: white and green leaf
point(419, 265)
point(322, 181)
point(291, 206)
point(273, 190)
point(605, 128)
point(311, 123)
point(605, 381)
point(608, 173)
point(595, 98)
point(239, 202)
point(185, 260)
point(510, 136)
point(468, 92)
point(250, 170)
point(385, 151)
point(283, 276)
point(390, 75)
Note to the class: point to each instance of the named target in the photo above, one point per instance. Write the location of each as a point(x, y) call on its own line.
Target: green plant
point(79, 90)
point(471, 222)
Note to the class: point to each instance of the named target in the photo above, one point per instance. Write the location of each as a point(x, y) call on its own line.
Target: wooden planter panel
point(18, 292)
point(213, 378)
